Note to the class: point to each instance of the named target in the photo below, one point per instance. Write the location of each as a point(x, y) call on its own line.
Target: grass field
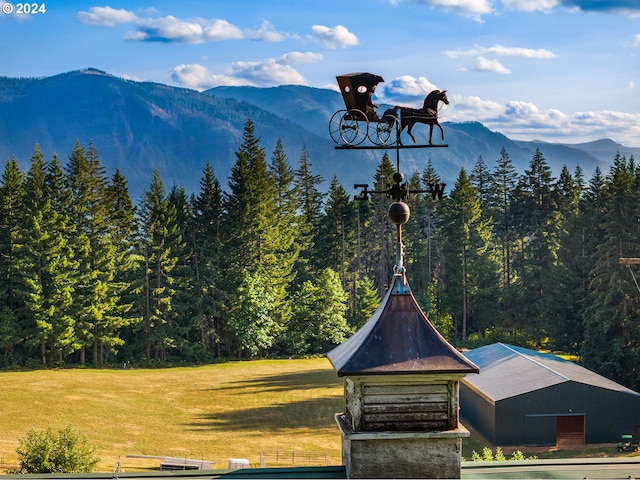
point(236, 409)
point(283, 409)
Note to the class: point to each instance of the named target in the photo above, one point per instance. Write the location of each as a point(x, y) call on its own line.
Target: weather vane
point(350, 128)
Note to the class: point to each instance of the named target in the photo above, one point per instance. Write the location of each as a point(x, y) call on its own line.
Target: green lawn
point(216, 412)
point(283, 409)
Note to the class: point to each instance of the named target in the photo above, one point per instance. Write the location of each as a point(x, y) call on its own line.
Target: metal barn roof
point(507, 371)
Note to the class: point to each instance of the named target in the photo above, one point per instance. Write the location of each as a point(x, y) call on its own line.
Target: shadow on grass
point(312, 413)
point(289, 381)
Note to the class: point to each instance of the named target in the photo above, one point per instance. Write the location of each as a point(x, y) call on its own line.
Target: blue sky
point(555, 70)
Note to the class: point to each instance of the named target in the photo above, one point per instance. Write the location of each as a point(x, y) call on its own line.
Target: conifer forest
point(270, 263)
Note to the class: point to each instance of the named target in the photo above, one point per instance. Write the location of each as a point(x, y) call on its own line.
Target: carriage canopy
point(357, 88)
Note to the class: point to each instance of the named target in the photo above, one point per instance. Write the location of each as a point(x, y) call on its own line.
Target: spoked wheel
point(335, 126)
point(354, 127)
point(385, 130)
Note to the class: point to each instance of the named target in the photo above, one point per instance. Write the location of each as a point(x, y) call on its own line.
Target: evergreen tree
point(483, 182)
point(160, 231)
point(97, 294)
point(250, 209)
point(413, 240)
point(379, 234)
point(251, 320)
point(318, 322)
point(431, 299)
point(439, 316)
point(366, 303)
point(244, 214)
point(123, 236)
point(62, 232)
point(431, 223)
point(286, 223)
point(504, 180)
point(483, 308)
point(539, 229)
point(564, 322)
point(310, 203)
point(11, 218)
point(10, 333)
point(45, 263)
point(612, 339)
point(470, 269)
point(206, 239)
point(252, 226)
point(183, 251)
point(337, 230)
point(286, 208)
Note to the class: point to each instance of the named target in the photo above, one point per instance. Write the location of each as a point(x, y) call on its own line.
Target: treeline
point(86, 276)
point(270, 265)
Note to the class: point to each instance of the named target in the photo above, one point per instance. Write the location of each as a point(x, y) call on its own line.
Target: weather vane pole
point(359, 122)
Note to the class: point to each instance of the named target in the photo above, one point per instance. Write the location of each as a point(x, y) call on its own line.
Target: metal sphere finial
point(399, 213)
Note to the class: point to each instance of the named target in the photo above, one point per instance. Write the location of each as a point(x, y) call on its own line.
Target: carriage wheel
point(354, 127)
point(335, 125)
point(385, 129)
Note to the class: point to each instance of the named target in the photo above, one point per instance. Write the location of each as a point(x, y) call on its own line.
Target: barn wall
point(478, 412)
point(529, 419)
point(610, 414)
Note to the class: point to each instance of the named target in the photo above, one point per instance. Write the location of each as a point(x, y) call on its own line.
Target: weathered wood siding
point(405, 407)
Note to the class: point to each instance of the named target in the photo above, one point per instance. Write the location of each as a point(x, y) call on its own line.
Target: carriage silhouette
point(360, 120)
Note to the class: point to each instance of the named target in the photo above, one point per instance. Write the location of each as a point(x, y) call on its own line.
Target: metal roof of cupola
point(398, 339)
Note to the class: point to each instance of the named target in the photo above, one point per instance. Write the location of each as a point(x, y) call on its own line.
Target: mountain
point(135, 126)
point(466, 141)
point(139, 126)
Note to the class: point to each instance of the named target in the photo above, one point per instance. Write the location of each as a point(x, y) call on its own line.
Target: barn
point(523, 397)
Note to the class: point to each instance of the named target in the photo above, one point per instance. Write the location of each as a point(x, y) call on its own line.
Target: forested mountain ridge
point(262, 260)
point(139, 126)
point(136, 126)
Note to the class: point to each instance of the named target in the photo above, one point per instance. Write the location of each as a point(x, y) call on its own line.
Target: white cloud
point(106, 16)
point(199, 78)
point(273, 71)
point(531, 5)
point(519, 109)
point(624, 127)
point(267, 33)
point(293, 58)
point(467, 8)
point(636, 41)
point(193, 76)
point(501, 50)
point(525, 121)
point(404, 90)
point(488, 65)
point(468, 108)
point(407, 86)
point(172, 29)
point(268, 72)
point(475, 9)
point(336, 37)
point(484, 64)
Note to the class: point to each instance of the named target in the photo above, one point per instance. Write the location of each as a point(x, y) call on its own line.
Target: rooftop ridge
point(529, 358)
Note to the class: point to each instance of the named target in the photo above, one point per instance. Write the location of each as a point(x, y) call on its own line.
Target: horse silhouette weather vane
point(351, 127)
